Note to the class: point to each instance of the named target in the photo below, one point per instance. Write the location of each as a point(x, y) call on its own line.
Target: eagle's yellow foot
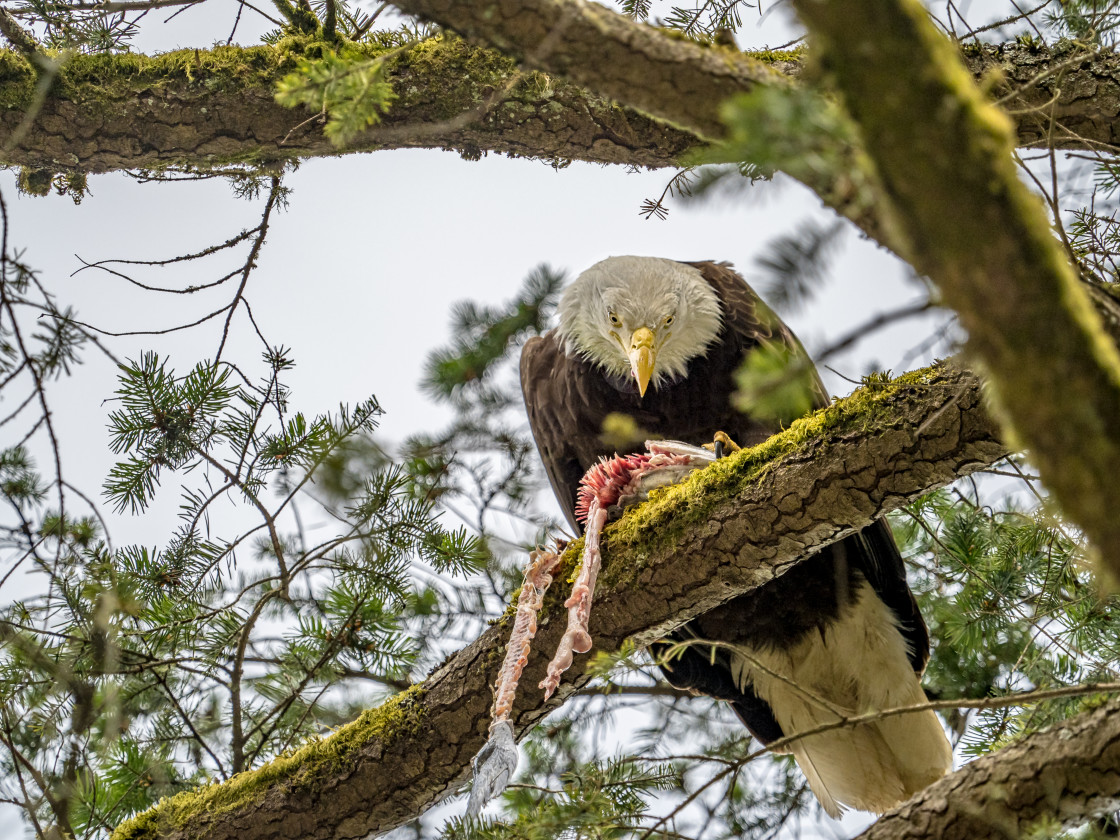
point(722, 444)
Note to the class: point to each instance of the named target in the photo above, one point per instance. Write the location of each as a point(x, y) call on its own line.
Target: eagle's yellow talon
point(722, 437)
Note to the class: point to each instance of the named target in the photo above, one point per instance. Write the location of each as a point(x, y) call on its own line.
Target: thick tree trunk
point(739, 523)
point(206, 108)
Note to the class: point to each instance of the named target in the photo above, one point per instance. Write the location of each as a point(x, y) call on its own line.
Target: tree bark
point(676, 80)
point(1061, 96)
point(206, 108)
point(738, 524)
point(1059, 777)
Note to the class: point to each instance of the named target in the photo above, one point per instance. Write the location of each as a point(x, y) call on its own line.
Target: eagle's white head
point(643, 316)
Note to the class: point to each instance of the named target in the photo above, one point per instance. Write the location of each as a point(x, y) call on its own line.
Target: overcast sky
point(358, 275)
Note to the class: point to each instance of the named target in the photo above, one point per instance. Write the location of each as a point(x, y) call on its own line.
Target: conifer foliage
point(135, 671)
point(131, 672)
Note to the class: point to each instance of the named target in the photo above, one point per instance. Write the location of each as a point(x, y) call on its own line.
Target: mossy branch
point(446, 100)
point(729, 529)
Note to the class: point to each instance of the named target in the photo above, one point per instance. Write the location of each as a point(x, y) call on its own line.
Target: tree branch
point(206, 108)
point(209, 108)
point(17, 36)
point(1064, 775)
point(739, 523)
point(676, 80)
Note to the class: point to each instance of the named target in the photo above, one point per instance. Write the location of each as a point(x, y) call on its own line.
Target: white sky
point(357, 277)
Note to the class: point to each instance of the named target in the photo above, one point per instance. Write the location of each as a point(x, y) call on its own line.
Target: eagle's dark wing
point(749, 323)
point(550, 383)
point(872, 551)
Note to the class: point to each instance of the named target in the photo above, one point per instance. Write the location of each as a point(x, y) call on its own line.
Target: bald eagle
point(660, 341)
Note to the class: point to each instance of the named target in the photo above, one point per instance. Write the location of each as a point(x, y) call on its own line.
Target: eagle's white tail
point(857, 665)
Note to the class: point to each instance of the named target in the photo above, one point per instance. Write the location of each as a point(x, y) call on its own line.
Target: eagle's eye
point(614, 319)
point(669, 320)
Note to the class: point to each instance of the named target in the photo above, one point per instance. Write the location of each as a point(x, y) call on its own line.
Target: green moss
point(35, 181)
point(973, 49)
point(317, 759)
point(41, 182)
point(1030, 41)
point(772, 56)
point(674, 510)
point(94, 79)
point(467, 74)
point(17, 81)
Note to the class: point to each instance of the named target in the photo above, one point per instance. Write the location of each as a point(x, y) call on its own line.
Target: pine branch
point(739, 523)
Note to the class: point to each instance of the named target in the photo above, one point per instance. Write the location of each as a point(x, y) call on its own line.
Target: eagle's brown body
point(568, 398)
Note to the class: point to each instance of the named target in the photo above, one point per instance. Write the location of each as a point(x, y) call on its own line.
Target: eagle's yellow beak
point(643, 353)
